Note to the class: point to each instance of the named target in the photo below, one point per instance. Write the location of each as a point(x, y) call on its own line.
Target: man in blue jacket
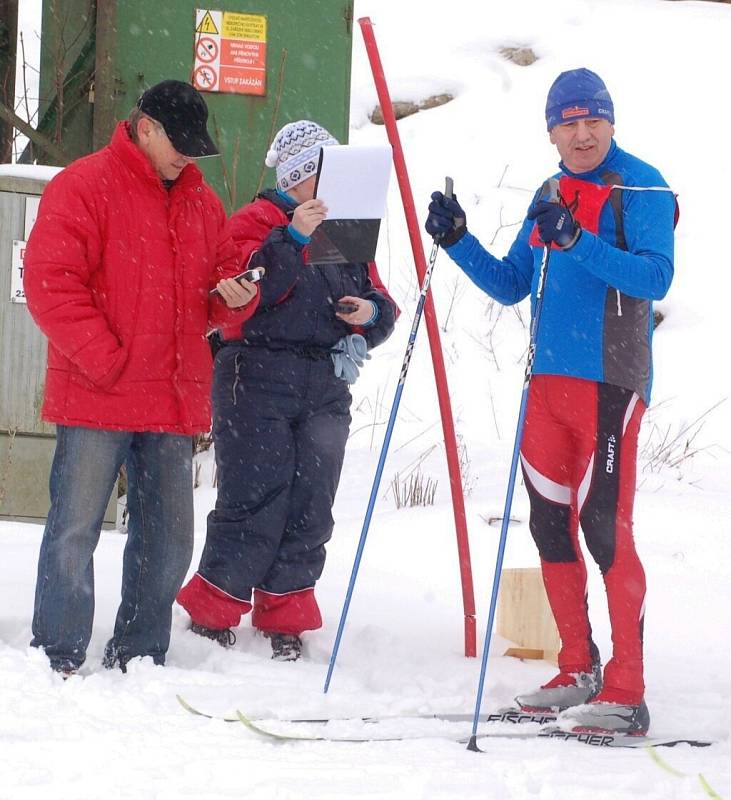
point(611, 240)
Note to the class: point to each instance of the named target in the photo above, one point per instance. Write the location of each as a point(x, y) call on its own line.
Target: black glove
point(447, 222)
point(555, 223)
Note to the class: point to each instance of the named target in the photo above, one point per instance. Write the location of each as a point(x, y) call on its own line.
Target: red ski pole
point(440, 374)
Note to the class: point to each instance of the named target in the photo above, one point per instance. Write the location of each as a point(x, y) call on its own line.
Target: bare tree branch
point(39, 139)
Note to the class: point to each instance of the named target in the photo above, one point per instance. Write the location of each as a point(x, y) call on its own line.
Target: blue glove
point(348, 354)
point(447, 222)
point(555, 223)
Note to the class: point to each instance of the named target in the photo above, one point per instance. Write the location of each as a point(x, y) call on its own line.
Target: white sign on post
point(17, 295)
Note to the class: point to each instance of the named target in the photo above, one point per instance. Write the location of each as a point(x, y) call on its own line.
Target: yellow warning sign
point(207, 25)
point(244, 26)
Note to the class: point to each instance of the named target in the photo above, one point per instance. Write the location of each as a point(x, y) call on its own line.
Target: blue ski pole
point(448, 192)
point(550, 192)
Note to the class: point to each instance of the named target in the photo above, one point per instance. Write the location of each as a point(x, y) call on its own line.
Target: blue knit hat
point(577, 94)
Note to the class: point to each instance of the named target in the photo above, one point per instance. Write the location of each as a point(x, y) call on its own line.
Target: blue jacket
point(596, 319)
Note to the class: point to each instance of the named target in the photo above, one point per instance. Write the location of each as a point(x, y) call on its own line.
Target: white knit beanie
point(295, 152)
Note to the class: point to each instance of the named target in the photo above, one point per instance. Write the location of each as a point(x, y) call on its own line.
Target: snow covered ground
point(113, 736)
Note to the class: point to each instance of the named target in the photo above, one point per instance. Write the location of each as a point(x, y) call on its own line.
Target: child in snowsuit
point(282, 410)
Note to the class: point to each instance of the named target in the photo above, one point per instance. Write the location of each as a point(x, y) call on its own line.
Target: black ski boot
point(224, 636)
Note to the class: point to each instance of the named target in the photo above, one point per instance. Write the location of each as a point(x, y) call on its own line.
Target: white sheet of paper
point(353, 180)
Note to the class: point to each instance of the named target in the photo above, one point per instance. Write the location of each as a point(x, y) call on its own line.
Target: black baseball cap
point(182, 112)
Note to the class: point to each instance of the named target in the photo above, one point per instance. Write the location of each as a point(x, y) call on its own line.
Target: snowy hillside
point(113, 736)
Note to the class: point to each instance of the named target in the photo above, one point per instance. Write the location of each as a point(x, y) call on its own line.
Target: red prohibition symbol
point(205, 78)
point(206, 49)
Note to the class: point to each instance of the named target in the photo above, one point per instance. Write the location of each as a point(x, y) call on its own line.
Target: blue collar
point(287, 198)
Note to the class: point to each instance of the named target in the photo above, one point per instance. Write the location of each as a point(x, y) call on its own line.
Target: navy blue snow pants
point(281, 421)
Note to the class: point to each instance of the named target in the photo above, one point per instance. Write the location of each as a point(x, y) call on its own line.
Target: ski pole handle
point(549, 191)
point(449, 192)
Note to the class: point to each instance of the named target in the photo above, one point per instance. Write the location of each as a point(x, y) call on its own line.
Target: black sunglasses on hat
point(182, 112)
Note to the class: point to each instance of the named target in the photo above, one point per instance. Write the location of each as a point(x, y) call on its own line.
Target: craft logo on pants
point(610, 454)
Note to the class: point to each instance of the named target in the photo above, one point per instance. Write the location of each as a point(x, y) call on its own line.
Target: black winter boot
point(285, 646)
point(224, 636)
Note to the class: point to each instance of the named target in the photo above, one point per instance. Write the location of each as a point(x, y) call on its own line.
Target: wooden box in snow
point(524, 616)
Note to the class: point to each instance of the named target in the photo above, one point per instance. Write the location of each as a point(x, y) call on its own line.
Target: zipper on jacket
point(237, 378)
point(619, 304)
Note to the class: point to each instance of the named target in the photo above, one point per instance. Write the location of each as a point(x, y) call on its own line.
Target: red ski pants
point(578, 454)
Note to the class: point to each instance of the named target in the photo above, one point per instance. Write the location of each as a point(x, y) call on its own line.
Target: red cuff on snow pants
point(293, 612)
point(210, 606)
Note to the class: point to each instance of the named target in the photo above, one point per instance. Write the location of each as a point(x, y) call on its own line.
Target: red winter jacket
point(117, 275)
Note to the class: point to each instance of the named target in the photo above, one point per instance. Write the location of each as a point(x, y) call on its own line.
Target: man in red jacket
point(128, 244)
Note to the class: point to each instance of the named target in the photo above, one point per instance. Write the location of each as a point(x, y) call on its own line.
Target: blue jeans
point(156, 557)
